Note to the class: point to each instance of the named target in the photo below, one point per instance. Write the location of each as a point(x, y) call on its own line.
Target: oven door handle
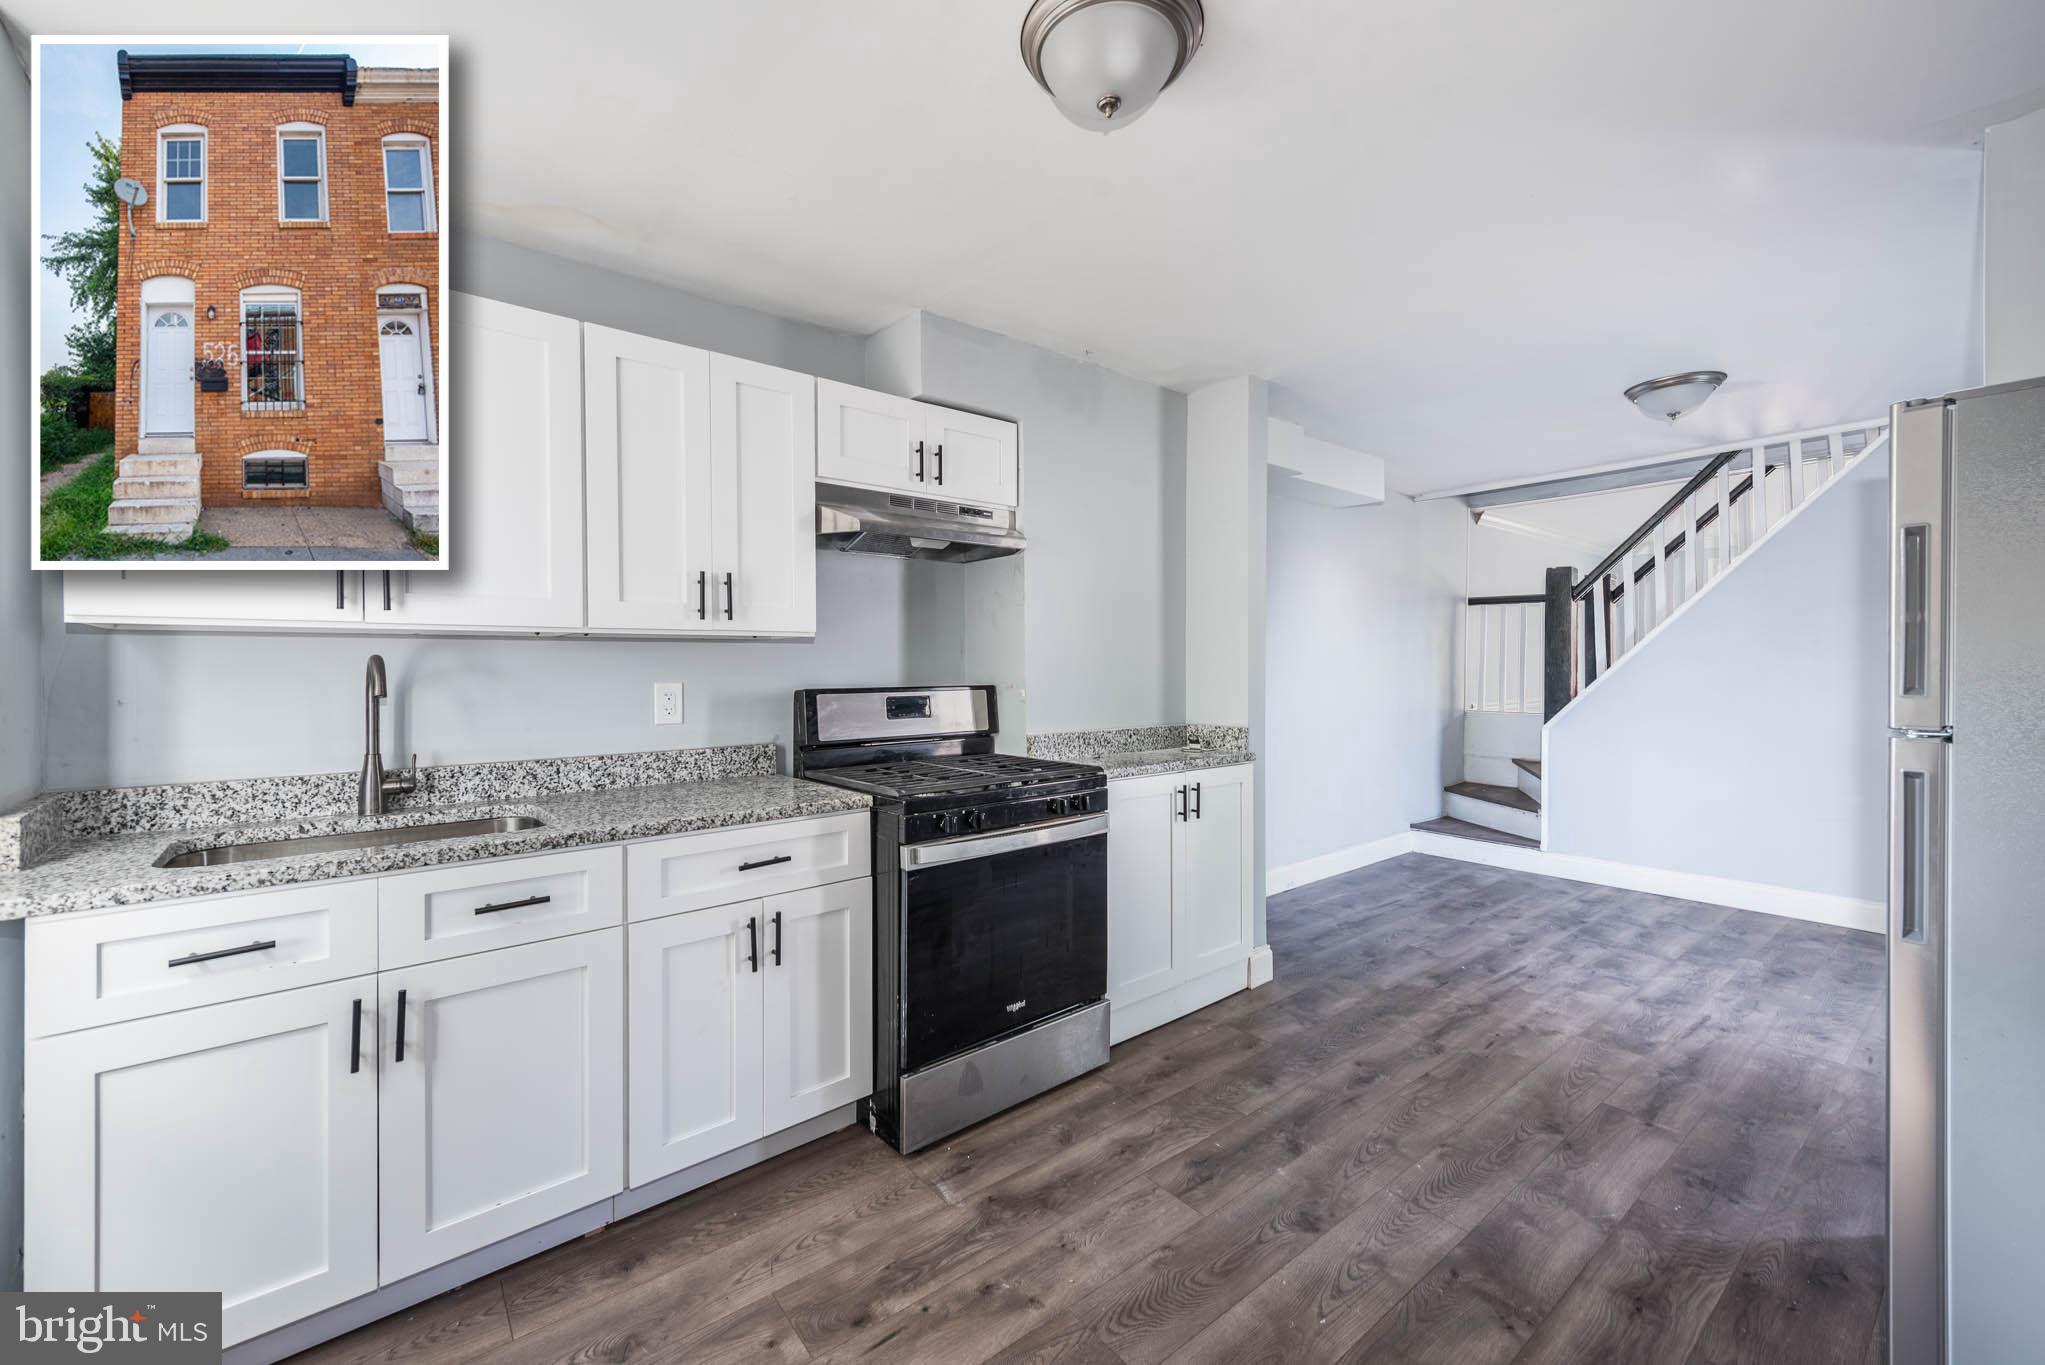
point(1013, 841)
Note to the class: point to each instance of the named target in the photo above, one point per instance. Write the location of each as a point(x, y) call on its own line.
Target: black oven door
point(999, 931)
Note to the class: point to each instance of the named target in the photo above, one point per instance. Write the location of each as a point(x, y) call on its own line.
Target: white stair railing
point(1699, 533)
point(1503, 644)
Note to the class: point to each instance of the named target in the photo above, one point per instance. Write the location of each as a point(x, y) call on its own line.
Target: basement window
point(273, 469)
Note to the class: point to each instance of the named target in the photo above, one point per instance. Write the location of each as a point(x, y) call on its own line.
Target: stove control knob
point(1058, 805)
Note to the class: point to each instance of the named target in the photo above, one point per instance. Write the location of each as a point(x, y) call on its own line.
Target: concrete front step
point(167, 445)
point(170, 533)
point(152, 511)
point(411, 490)
point(1507, 809)
point(411, 452)
point(406, 472)
point(180, 486)
point(158, 466)
point(1528, 773)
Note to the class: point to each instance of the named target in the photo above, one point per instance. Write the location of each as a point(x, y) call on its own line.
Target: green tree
point(89, 261)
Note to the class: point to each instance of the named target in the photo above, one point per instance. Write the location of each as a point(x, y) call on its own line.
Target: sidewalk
point(301, 533)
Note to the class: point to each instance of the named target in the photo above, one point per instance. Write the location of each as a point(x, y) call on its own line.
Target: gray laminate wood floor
point(1479, 1117)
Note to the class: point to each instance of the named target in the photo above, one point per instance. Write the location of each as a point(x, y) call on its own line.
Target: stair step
point(170, 533)
point(1528, 776)
point(1528, 765)
point(177, 486)
point(1483, 834)
point(152, 511)
point(1507, 809)
point(411, 451)
point(157, 466)
point(167, 445)
point(403, 472)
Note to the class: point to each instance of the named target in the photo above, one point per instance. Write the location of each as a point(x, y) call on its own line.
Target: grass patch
point(75, 520)
point(426, 543)
point(62, 443)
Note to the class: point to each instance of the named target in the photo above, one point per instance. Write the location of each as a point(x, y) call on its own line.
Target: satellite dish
point(131, 193)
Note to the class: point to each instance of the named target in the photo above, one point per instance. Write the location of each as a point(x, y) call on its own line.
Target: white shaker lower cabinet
point(747, 1019)
point(230, 1147)
point(697, 1078)
point(256, 601)
point(1181, 872)
point(819, 1000)
point(503, 1095)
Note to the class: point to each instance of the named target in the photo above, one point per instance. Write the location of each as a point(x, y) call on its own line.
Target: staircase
point(156, 491)
point(1515, 647)
point(410, 476)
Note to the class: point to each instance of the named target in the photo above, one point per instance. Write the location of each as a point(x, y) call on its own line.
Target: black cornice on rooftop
point(224, 72)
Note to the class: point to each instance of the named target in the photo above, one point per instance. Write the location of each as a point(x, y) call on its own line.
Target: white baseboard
point(1335, 864)
point(1261, 969)
point(1130, 1018)
point(1815, 906)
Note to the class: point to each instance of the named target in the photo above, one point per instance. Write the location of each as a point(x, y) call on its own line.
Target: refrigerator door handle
point(1917, 922)
point(1919, 442)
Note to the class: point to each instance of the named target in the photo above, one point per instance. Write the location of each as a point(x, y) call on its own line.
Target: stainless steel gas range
point(990, 903)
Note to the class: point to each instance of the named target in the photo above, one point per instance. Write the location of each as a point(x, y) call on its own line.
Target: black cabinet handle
point(919, 462)
point(401, 1026)
point(767, 862)
point(1196, 800)
point(777, 938)
point(702, 595)
point(512, 905)
point(937, 460)
point(386, 589)
point(730, 597)
point(1179, 806)
point(753, 941)
point(340, 592)
point(256, 947)
point(355, 1039)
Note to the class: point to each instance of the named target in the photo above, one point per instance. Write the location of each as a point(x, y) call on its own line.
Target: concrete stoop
point(156, 491)
point(410, 481)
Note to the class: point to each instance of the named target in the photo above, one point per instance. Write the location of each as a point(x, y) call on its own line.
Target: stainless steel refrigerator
point(1967, 878)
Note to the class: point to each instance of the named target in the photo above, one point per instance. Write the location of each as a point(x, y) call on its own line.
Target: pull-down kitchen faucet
point(375, 786)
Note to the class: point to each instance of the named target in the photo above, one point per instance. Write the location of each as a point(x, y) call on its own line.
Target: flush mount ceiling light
point(1674, 395)
point(1106, 61)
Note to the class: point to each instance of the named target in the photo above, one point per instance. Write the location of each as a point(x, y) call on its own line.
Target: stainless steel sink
point(367, 838)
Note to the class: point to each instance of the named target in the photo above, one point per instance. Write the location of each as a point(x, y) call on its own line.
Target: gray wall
point(1361, 729)
point(20, 644)
point(1750, 741)
point(1103, 458)
point(130, 707)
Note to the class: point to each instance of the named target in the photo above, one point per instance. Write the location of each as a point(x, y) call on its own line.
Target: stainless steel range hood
point(912, 525)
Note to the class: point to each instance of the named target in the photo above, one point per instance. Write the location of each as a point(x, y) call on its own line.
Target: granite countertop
point(1146, 751)
point(118, 869)
point(1183, 759)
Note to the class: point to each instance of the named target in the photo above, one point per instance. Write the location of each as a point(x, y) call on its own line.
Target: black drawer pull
point(190, 958)
point(767, 862)
point(401, 1027)
point(777, 938)
point(355, 1039)
point(512, 905)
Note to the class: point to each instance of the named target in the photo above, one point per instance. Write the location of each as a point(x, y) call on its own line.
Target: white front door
point(167, 371)
point(403, 360)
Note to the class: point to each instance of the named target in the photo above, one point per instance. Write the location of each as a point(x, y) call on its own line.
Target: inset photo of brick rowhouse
point(239, 340)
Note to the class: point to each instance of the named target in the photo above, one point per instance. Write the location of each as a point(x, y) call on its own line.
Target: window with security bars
point(275, 377)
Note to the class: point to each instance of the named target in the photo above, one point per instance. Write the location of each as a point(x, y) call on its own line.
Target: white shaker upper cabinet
point(873, 440)
point(647, 457)
point(763, 477)
point(971, 458)
point(253, 600)
point(514, 478)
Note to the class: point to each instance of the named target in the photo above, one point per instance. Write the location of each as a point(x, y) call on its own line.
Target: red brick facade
point(338, 267)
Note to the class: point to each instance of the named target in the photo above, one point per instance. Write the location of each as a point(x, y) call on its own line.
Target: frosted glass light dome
point(1105, 62)
point(1671, 396)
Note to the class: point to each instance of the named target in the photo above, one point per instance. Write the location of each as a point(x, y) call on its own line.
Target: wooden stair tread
point(1531, 765)
point(1497, 796)
point(1483, 834)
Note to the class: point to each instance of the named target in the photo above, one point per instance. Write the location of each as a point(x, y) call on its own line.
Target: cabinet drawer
point(100, 969)
point(666, 876)
point(454, 911)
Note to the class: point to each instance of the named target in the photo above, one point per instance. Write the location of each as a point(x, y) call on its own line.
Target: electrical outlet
point(667, 703)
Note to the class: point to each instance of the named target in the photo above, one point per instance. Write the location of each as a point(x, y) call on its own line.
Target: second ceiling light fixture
point(1106, 61)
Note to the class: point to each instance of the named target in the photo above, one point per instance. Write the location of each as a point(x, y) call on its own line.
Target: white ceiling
point(1450, 231)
